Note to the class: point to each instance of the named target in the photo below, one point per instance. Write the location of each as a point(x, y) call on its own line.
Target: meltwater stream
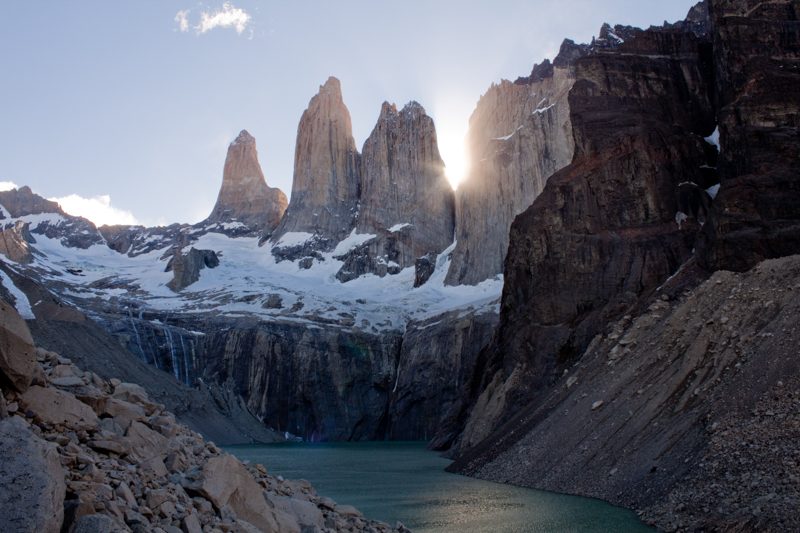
point(404, 482)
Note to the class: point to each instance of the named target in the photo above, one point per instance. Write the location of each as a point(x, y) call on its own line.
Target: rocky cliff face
point(756, 52)
point(325, 188)
point(245, 196)
point(604, 230)
point(73, 231)
point(406, 200)
point(614, 373)
point(519, 135)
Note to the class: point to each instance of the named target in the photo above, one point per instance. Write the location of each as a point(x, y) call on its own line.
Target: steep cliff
point(406, 201)
point(756, 53)
point(604, 229)
point(617, 370)
point(244, 195)
point(519, 135)
point(325, 187)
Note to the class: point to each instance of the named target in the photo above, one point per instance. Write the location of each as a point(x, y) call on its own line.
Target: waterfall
point(138, 338)
point(175, 369)
point(185, 362)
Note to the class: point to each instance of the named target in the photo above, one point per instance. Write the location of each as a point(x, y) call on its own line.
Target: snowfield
point(248, 282)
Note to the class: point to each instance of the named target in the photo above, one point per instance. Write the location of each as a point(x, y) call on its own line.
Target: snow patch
point(354, 240)
point(680, 218)
point(21, 301)
point(713, 191)
point(507, 137)
point(398, 227)
point(294, 238)
point(713, 140)
point(542, 110)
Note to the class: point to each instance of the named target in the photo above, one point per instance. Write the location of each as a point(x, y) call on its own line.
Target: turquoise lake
point(405, 482)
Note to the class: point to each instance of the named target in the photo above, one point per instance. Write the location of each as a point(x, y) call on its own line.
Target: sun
point(451, 133)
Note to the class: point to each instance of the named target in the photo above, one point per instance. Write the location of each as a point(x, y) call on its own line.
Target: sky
point(123, 110)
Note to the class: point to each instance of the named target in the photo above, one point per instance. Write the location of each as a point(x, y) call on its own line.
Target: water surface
point(404, 482)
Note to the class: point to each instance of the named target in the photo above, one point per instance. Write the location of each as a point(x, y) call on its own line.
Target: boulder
point(55, 407)
point(186, 268)
point(144, 442)
point(96, 523)
point(17, 352)
point(32, 481)
point(226, 482)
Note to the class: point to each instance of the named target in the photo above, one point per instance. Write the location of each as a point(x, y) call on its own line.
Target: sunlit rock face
point(245, 196)
point(519, 135)
point(326, 172)
point(406, 200)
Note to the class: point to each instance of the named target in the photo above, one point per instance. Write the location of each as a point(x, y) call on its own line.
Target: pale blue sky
point(111, 98)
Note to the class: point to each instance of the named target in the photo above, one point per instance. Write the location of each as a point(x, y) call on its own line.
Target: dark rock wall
point(757, 59)
point(604, 229)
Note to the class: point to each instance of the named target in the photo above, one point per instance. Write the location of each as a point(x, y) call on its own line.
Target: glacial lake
point(391, 481)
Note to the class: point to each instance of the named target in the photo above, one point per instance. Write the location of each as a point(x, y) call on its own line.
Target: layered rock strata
point(244, 195)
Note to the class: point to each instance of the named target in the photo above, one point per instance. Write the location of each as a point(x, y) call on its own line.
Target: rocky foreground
point(83, 454)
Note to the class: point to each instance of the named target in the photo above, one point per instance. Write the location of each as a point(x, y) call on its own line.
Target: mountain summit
point(245, 196)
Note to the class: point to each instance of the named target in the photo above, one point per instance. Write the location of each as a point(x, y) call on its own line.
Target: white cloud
point(8, 185)
point(182, 18)
point(98, 209)
point(228, 16)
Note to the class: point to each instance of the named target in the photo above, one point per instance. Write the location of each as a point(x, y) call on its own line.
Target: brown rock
point(756, 214)
point(123, 412)
point(144, 443)
point(110, 445)
point(17, 353)
point(191, 524)
point(326, 172)
point(245, 196)
point(56, 407)
point(226, 482)
point(15, 242)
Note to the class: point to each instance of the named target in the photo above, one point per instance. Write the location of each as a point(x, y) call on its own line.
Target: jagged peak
point(244, 137)
point(413, 107)
point(332, 86)
point(387, 109)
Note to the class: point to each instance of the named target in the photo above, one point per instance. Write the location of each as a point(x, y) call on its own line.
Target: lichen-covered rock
point(17, 352)
point(31, 481)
